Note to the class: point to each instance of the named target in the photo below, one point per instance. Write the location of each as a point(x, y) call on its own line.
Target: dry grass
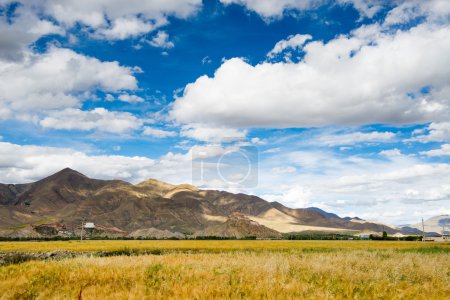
point(309, 270)
point(232, 245)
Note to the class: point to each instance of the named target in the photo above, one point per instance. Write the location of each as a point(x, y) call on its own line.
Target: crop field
point(228, 270)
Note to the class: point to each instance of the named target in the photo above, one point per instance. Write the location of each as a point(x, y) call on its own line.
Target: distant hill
point(323, 213)
point(331, 215)
point(156, 208)
point(435, 224)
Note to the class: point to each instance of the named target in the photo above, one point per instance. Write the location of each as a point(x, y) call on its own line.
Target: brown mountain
point(68, 197)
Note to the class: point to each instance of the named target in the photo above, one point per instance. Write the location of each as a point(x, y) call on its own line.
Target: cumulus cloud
point(130, 98)
point(212, 134)
point(123, 28)
point(295, 196)
point(57, 79)
point(26, 28)
point(391, 153)
point(443, 151)
point(406, 11)
point(113, 19)
point(366, 8)
point(98, 119)
point(158, 133)
point(365, 184)
point(293, 42)
point(353, 138)
point(27, 163)
point(435, 132)
point(370, 76)
point(19, 164)
point(269, 9)
point(161, 40)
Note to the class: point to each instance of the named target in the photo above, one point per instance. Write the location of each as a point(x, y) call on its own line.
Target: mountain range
point(58, 204)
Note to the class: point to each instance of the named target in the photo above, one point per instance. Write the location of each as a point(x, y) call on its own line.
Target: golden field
point(232, 269)
point(208, 245)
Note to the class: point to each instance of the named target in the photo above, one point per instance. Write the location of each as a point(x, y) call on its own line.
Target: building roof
point(89, 225)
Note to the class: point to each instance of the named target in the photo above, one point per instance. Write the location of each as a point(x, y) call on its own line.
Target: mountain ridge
point(68, 196)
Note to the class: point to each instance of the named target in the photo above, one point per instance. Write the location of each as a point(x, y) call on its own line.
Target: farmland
point(229, 269)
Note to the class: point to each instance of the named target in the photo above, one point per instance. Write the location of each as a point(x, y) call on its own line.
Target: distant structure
point(89, 225)
point(53, 229)
point(366, 235)
point(442, 238)
point(424, 237)
point(398, 235)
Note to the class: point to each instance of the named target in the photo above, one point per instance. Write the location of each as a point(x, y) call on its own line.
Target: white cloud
point(258, 141)
point(57, 79)
point(206, 60)
point(368, 186)
point(123, 28)
point(98, 119)
point(366, 8)
point(109, 97)
point(296, 196)
point(161, 40)
point(212, 134)
point(19, 164)
point(443, 151)
point(158, 133)
point(435, 132)
point(26, 28)
point(130, 98)
point(269, 9)
point(274, 9)
point(353, 138)
point(113, 19)
point(364, 78)
point(391, 153)
point(293, 42)
point(27, 163)
point(432, 10)
point(5, 113)
point(284, 170)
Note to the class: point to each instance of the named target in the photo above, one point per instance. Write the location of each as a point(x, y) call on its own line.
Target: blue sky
point(341, 104)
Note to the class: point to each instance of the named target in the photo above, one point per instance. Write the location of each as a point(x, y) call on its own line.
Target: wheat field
point(232, 270)
point(209, 245)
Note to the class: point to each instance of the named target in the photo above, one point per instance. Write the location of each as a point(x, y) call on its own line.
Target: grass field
point(232, 269)
point(210, 245)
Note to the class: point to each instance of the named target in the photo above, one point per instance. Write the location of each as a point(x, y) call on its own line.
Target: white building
point(89, 225)
point(442, 238)
point(398, 235)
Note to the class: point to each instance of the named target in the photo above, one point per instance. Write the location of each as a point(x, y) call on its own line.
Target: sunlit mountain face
point(340, 105)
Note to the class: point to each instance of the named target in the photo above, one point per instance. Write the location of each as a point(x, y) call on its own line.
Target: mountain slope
point(240, 226)
point(439, 224)
point(68, 196)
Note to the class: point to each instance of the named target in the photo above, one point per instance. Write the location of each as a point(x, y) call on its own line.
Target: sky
point(342, 105)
